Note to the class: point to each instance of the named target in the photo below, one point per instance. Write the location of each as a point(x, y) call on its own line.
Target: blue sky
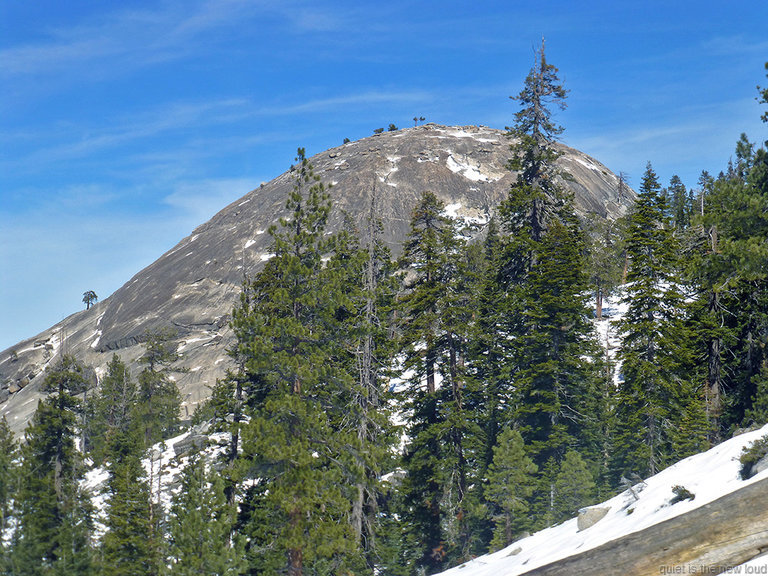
point(124, 125)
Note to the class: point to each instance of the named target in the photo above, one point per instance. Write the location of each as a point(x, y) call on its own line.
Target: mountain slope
point(724, 525)
point(193, 287)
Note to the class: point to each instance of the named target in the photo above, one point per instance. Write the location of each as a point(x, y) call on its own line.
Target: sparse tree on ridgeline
point(90, 298)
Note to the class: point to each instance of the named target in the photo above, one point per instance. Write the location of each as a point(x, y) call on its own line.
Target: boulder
point(190, 443)
point(588, 517)
point(759, 466)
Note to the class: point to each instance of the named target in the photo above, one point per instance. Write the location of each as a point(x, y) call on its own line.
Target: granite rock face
point(193, 287)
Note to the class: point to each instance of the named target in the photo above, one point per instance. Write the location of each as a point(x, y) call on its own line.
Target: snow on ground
point(452, 210)
point(163, 468)
point(384, 177)
point(607, 332)
point(95, 484)
point(468, 222)
point(708, 476)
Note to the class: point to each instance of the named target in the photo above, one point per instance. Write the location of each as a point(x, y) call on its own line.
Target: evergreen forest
point(400, 416)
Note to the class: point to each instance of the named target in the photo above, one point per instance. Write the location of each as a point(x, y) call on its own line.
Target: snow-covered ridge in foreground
point(709, 476)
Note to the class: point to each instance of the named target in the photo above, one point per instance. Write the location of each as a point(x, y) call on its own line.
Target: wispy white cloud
point(690, 140)
point(199, 200)
point(82, 141)
point(734, 45)
point(85, 240)
point(77, 141)
point(367, 98)
point(125, 39)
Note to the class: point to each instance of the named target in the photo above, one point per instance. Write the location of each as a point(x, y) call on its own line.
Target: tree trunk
point(356, 516)
point(430, 367)
point(626, 268)
point(295, 562)
point(231, 489)
point(713, 400)
point(599, 303)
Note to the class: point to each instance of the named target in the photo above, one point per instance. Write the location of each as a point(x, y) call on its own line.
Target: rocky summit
point(193, 287)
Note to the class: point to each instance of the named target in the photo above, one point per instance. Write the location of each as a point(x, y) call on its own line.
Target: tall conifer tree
point(727, 269)
point(9, 452)
point(654, 393)
point(200, 526)
point(511, 484)
point(159, 401)
point(132, 544)
point(361, 271)
point(441, 457)
point(53, 533)
point(294, 442)
point(111, 410)
point(541, 275)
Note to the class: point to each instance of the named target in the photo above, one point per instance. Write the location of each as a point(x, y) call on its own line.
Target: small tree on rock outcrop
point(90, 298)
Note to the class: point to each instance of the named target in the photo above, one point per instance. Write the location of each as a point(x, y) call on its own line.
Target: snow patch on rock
point(469, 171)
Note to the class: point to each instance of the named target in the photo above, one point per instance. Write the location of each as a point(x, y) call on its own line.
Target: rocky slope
point(193, 287)
point(697, 516)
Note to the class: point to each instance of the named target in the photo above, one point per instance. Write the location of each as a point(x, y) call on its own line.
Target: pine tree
point(294, 441)
point(444, 429)
point(426, 252)
point(726, 267)
point(490, 349)
point(111, 409)
point(200, 527)
point(461, 402)
point(158, 402)
point(652, 396)
point(227, 410)
point(53, 532)
point(535, 131)
point(680, 207)
point(534, 331)
point(367, 286)
point(8, 478)
point(574, 485)
point(558, 393)
point(511, 484)
point(132, 543)
point(542, 276)
point(604, 249)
